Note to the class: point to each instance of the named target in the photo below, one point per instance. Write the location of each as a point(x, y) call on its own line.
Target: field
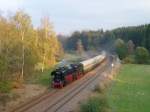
point(130, 91)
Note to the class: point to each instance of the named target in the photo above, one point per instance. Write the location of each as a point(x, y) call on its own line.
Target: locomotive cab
point(65, 75)
point(58, 79)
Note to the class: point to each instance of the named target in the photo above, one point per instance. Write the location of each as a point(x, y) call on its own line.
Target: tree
point(147, 37)
point(50, 46)
point(23, 23)
point(121, 48)
point(130, 46)
point(22, 47)
point(141, 55)
point(80, 48)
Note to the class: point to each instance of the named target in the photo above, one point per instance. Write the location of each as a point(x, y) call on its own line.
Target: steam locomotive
point(62, 76)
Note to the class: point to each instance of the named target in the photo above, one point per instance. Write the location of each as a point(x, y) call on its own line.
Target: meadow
point(130, 91)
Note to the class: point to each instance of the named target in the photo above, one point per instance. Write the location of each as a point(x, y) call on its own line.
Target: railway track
point(55, 106)
point(31, 103)
point(66, 98)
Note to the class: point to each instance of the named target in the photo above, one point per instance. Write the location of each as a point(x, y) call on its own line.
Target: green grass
point(45, 78)
point(42, 78)
point(131, 90)
point(5, 86)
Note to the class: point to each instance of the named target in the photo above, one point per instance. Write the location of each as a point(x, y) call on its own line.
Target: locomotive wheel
point(61, 86)
point(64, 84)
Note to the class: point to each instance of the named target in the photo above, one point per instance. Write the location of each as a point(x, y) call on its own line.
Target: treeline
point(128, 53)
point(140, 35)
point(97, 40)
point(89, 39)
point(25, 49)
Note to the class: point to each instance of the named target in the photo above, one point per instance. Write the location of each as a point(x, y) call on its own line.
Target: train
point(65, 75)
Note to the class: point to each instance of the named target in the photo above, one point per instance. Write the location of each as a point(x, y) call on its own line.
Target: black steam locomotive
point(67, 74)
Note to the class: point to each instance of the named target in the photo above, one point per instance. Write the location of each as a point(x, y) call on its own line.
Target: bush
point(100, 88)
point(129, 59)
point(5, 87)
point(141, 55)
point(95, 104)
point(149, 61)
point(43, 78)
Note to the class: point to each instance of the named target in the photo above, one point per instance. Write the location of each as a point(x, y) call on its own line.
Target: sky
point(71, 15)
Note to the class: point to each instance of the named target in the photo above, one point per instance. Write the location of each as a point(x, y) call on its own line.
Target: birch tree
point(130, 46)
point(23, 24)
point(23, 49)
point(45, 26)
point(51, 46)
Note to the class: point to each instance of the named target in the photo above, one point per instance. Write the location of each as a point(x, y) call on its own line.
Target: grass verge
point(43, 78)
point(98, 102)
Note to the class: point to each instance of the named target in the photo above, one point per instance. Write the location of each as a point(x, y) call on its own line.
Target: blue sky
point(70, 15)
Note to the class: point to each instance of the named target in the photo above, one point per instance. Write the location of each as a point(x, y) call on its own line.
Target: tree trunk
point(43, 64)
point(46, 36)
point(22, 68)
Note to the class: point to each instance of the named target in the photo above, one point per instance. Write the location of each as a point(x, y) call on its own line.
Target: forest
point(25, 49)
point(127, 42)
point(140, 35)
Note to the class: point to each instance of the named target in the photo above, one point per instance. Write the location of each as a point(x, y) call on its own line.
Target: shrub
point(100, 88)
point(129, 59)
point(149, 61)
point(141, 55)
point(95, 104)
